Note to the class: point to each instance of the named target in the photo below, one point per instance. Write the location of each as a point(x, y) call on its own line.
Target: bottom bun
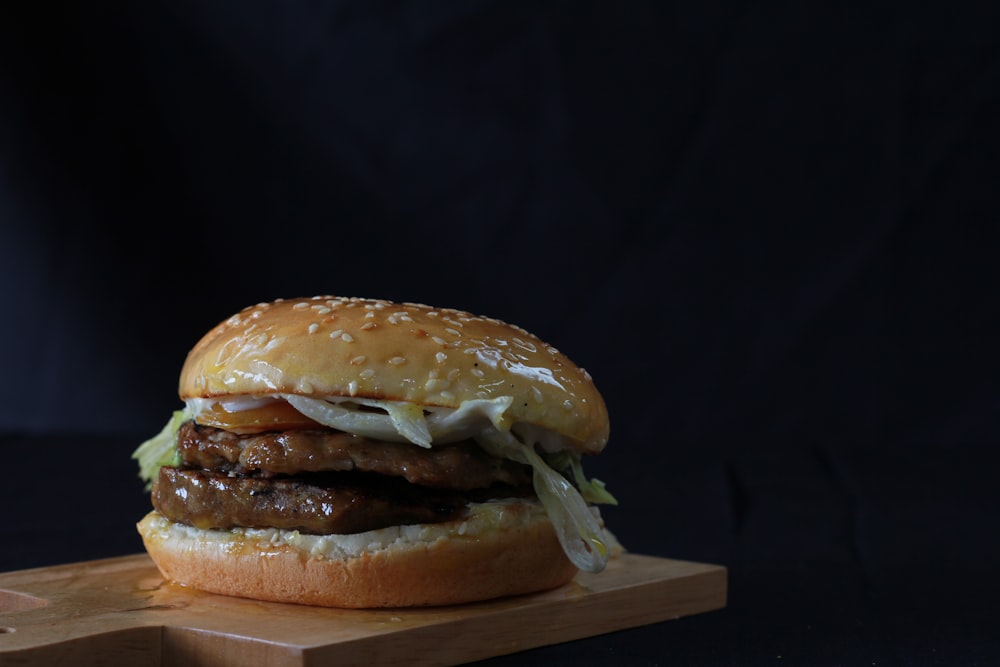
point(502, 548)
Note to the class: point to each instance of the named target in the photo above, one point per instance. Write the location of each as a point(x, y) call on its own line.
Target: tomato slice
point(274, 416)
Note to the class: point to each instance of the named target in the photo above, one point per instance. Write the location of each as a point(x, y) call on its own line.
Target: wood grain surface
point(120, 611)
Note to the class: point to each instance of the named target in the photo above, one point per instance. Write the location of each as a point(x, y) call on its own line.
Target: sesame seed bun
point(494, 554)
point(332, 346)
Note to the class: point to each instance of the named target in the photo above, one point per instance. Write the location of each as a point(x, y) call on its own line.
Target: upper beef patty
point(461, 466)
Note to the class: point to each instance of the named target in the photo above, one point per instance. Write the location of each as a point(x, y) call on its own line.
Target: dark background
point(769, 231)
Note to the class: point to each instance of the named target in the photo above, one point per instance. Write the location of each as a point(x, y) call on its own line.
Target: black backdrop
point(768, 231)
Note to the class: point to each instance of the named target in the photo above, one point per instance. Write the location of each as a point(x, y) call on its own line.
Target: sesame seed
point(525, 345)
point(439, 340)
point(453, 332)
point(321, 310)
point(435, 385)
point(453, 374)
point(301, 305)
point(337, 333)
point(358, 360)
point(346, 337)
point(478, 372)
point(370, 315)
point(368, 325)
point(406, 318)
point(392, 319)
point(352, 387)
point(305, 387)
point(366, 374)
point(537, 394)
point(313, 328)
point(396, 361)
point(568, 404)
point(441, 357)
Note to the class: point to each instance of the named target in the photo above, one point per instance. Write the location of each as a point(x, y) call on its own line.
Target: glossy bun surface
point(328, 346)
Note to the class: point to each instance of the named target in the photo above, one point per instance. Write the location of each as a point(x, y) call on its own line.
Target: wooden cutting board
point(119, 611)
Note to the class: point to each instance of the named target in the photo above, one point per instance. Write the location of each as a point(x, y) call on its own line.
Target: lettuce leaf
point(161, 449)
point(579, 531)
point(593, 490)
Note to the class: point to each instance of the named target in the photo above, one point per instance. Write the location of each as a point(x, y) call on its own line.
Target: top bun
point(327, 346)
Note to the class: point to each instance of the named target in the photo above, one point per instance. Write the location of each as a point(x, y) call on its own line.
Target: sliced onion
point(407, 418)
point(449, 425)
point(370, 424)
point(403, 421)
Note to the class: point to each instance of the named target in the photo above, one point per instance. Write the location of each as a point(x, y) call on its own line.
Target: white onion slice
point(407, 419)
point(403, 421)
point(449, 425)
point(370, 424)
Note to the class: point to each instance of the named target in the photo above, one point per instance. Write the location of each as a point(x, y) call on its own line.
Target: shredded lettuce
point(579, 531)
point(161, 449)
point(593, 490)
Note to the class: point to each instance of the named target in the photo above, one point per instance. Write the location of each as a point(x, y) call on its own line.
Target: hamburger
point(361, 453)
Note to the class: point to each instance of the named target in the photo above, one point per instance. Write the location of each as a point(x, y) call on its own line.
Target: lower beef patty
point(322, 504)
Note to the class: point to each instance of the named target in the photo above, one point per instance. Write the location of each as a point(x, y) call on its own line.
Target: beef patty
point(460, 466)
point(324, 482)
